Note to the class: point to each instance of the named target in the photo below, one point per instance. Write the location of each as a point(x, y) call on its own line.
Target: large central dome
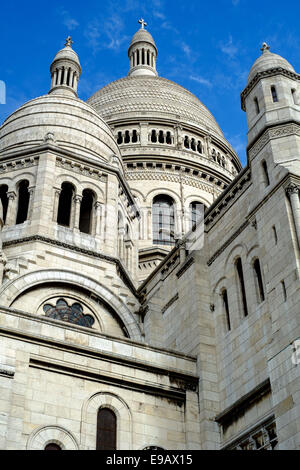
point(175, 154)
point(152, 96)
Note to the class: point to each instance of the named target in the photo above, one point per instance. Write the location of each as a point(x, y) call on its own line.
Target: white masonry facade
point(149, 285)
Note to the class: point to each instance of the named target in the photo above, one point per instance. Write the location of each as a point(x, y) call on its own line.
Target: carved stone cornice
point(19, 164)
point(81, 169)
point(274, 132)
point(190, 181)
point(292, 189)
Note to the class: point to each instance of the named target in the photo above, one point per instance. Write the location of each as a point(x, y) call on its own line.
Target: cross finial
point(142, 23)
point(265, 47)
point(68, 41)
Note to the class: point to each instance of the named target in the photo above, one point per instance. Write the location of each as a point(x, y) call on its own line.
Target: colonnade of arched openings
point(15, 204)
point(242, 290)
point(74, 210)
point(164, 220)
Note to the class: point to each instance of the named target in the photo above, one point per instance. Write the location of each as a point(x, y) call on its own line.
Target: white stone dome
point(153, 97)
point(142, 35)
point(67, 53)
point(268, 60)
point(74, 125)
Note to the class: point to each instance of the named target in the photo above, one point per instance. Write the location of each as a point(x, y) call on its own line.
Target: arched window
point(274, 94)
point(52, 446)
point(294, 96)
point(186, 142)
point(23, 202)
point(4, 199)
point(266, 173)
point(239, 268)
point(168, 138)
point(65, 204)
point(120, 138)
point(161, 139)
point(199, 147)
point(148, 57)
point(226, 308)
point(275, 234)
point(259, 281)
point(127, 137)
point(256, 105)
point(86, 211)
point(134, 136)
point(106, 430)
point(193, 145)
point(283, 290)
point(196, 212)
point(153, 136)
point(163, 220)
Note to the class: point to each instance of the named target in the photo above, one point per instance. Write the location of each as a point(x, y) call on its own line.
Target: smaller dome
point(142, 35)
point(67, 53)
point(268, 60)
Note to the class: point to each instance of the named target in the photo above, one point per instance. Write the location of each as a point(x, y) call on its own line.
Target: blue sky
point(206, 46)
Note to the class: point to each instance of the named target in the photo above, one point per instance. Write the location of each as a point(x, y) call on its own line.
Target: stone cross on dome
point(142, 23)
point(265, 47)
point(69, 41)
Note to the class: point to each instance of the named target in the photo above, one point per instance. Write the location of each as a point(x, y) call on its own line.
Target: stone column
point(75, 83)
point(57, 192)
point(98, 214)
point(11, 208)
point(65, 75)
point(144, 133)
point(293, 193)
point(59, 76)
point(77, 201)
point(30, 204)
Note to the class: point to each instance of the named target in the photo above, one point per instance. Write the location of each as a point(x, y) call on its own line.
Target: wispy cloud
point(235, 2)
point(229, 48)
point(239, 143)
point(70, 22)
point(201, 80)
point(185, 47)
point(106, 35)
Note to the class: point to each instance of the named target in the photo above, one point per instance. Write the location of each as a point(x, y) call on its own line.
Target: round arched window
point(163, 220)
point(52, 446)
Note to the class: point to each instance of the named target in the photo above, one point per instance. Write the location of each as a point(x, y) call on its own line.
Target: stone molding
point(89, 413)
point(227, 243)
point(81, 169)
point(7, 371)
point(137, 176)
point(44, 435)
point(176, 296)
point(18, 164)
point(282, 130)
point(83, 251)
point(17, 286)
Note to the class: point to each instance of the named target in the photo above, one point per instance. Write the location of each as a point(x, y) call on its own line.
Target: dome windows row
point(142, 57)
point(168, 137)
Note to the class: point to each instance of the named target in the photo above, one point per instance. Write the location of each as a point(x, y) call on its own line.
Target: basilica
point(149, 285)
